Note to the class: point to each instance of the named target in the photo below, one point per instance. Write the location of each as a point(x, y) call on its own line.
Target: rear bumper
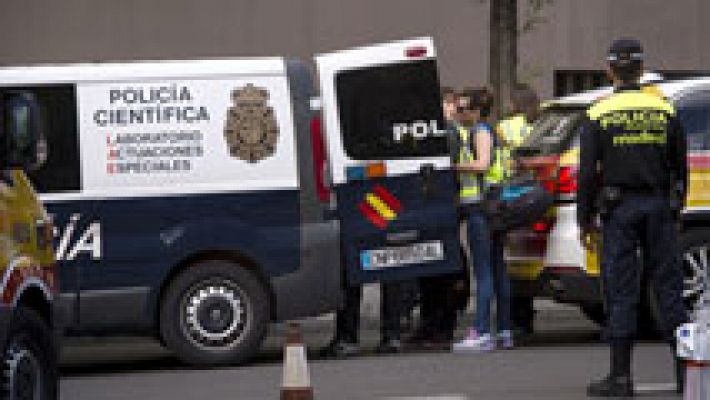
point(556, 267)
point(525, 277)
point(525, 257)
point(524, 270)
point(525, 288)
point(570, 286)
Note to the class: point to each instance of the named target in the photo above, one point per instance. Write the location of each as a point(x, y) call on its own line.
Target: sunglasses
point(460, 109)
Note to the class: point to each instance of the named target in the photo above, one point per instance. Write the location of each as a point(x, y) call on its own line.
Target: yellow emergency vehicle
point(548, 259)
point(28, 286)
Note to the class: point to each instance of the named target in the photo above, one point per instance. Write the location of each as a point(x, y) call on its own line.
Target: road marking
point(435, 397)
point(654, 387)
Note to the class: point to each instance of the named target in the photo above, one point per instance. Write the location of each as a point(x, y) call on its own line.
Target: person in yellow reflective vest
point(513, 131)
point(478, 167)
point(516, 128)
point(441, 296)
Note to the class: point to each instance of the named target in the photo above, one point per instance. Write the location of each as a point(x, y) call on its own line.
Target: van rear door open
point(390, 161)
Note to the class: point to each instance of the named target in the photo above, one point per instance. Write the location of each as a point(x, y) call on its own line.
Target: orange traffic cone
point(296, 379)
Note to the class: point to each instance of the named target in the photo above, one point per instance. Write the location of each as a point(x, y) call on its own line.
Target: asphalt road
point(556, 363)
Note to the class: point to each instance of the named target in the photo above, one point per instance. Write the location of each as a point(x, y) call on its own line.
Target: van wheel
point(29, 362)
point(214, 312)
point(695, 254)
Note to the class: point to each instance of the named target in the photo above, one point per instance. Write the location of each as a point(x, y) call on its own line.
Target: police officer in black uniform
point(633, 174)
point(347, 322)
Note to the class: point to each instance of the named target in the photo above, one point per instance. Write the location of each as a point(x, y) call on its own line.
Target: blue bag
point(516, 203)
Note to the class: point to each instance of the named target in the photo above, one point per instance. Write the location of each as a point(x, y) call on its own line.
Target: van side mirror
point(19, 131)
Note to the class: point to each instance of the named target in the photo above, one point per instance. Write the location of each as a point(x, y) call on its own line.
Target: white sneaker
point(475, 343)
point(505, 340)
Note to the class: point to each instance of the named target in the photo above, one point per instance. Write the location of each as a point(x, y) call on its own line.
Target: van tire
point(29, 359)
point(214, 313)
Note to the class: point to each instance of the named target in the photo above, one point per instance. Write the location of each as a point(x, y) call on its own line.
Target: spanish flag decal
point(380, 207)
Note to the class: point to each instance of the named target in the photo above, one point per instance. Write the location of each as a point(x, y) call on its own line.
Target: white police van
point(193, 199)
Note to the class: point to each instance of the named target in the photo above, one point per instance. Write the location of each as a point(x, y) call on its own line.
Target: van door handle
point(427, 172)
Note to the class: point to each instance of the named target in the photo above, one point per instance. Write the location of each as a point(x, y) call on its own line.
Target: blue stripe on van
point(142, 239)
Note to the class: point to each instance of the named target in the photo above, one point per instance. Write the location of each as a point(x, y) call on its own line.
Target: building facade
point(561, 53)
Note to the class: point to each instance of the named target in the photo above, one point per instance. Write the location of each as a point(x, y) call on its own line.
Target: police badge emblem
point(251, 129)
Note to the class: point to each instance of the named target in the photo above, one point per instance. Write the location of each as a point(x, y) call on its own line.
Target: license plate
point(418, 253)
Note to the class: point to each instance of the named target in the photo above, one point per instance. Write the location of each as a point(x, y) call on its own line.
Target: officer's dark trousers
point(439, 305)
point(647, 221)
point(348, 319)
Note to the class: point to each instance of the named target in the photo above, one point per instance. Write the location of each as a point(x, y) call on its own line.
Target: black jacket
point(633, 141)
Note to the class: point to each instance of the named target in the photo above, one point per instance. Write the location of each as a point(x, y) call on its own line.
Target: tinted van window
point(392, 111)
point(57, 112)
point(19, 126)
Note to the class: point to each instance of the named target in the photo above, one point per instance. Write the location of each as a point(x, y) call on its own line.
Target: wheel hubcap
point(23, 372)
point(214, 315)
point(695, 282)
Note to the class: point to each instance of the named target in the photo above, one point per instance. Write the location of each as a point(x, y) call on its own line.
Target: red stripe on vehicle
point(14, 280)
point(698, 160)
point(388, 198)
point(21, 274)
point(372, 215)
